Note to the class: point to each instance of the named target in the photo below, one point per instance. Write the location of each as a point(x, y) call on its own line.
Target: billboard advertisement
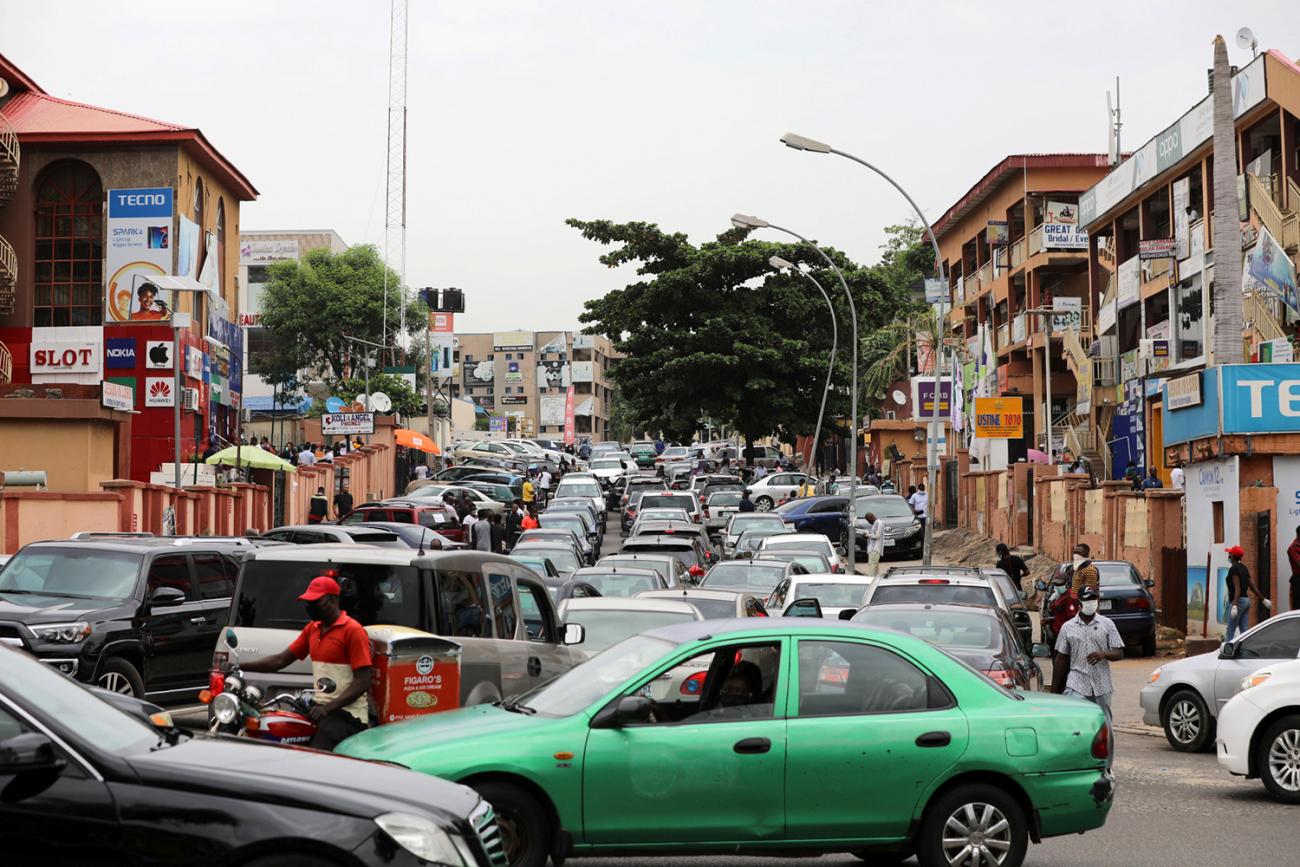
point(551, 411)
point(570, 422)
point(554, 374)
point(999, 418)
point(139, 248)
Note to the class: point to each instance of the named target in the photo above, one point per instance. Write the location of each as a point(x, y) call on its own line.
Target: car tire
point(1149, 644)
point(1278, 759)
point(118, 675)
point(979, 808)
point(525, 831)
point(763, 504)
point(1187, 723)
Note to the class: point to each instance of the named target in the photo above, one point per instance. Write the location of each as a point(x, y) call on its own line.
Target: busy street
point(474, 433)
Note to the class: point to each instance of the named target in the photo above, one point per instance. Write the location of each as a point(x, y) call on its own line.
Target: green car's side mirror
point(632, 709)
point(1041, 651)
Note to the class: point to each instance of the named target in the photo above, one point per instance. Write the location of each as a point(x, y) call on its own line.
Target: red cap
point(321, 585)
point(1236, 551)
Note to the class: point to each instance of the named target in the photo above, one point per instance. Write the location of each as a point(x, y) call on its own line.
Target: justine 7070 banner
point(999, 418)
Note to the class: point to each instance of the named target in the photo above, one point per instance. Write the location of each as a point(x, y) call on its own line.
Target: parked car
point(719, 506)
point(658, 514)
point(484, 449)
point(543, 567)
point(763, 456)
point(434, 515)
point(573, 485)
point(411, 535)
point(834, 593)
point(959, 585)
point(608, 620)
point(318, 534)
point(670, 455)
point(563, 556)
point(753, 576)
point(131, 615)
point(567, 536)
point(983, 638)
point(803, 542)
point(721, 481)
point(686, 549)
point(750, 540)
point(644, 454)
point(825, 515)
point(812, 561)
point(87, 783)
point(1186, 696)
point(621, 581)
point(779, 761)
point(631, 484)
point(477, 599)
point(684, 500)
point(432, 494)
point(774, 489)
point(677, 527)
point(1127, 601)
point(588, 537)
point(742, 521)
point(1259, 730)
point(669, 567)
point(610, 470)
point(903, 536)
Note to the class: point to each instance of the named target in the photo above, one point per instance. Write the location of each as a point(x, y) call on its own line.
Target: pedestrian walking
point(1178, 478)
point(514, 518)
point(464, 505)
point(920, 502)
point(1241, 587)
point(544, 486)
point(481, 531)
point(529, 493)
point(875, 542)
point(1293, 555)
point(1084, 573)
point(1088, 644)
point(319, 507)
point(529, 521)
point(1012, 565)
point(498, 533)
point(746, 504)
point(342, 501)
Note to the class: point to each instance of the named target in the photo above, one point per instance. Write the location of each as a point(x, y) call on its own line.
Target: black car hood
point(34, 609)
point(256, 771)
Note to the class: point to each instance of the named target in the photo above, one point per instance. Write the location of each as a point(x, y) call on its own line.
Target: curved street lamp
point(782, 265)
point(747, 221)
point(803, 143)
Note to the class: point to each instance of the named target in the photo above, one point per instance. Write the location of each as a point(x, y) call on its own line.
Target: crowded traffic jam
point(538, 654)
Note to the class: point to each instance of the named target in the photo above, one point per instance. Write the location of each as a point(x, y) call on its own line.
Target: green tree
point(405, 401)
point(312, 305)
point(714, 330)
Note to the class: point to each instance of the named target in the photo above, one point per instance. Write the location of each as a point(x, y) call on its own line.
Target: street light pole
point(745, 221)
point(782, 264)
point(1047, 364)
point(365, 367)
point(802, 143)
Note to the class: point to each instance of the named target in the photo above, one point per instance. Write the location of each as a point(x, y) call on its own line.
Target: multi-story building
point(1012, 244)
point(525, 376)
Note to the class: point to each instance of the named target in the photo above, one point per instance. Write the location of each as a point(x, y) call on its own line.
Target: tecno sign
point(1260, 398)
point(65, 358)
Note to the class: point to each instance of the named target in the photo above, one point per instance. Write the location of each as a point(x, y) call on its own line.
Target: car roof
point(613, 567)
point(796, 538)
point(987, 611)
point(972, 579)
point(338, 551)
point(640, 555)
point(696, 592)
point(758, 561)
point(142, 545)
point(658, 541)
point(633, 603)
point(829, 578)
point(696, 630)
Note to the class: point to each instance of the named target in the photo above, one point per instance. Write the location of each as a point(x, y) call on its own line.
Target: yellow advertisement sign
point(999, 418)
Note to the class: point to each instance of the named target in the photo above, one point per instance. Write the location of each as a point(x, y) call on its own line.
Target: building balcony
point(583, 371)
point(8, 277)
point(1018, 253)
point(9, 158)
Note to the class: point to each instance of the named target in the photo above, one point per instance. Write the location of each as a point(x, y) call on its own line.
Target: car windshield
point(810, 560)
point(577, 688)
point(75, 708)
point(578, 489)
point(372, 593)
point(660, 565)
point(1116, 575)
point(742, 576)
point(835, 595)
point(883, 506)
point(938, 594)
point(664, 515)
point(622, 584)
point(741, 523)
point(537, 564)
point(562, 559)
point(606, 628)
point(713, 609)
point(71, 573)
point(667, 501)
point(724, 498)
point(684, 553)
point(564, 521)
point(968, 630)
point(607, 464)
point(675, 452)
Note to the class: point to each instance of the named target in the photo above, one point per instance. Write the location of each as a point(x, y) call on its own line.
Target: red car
point(437, 517)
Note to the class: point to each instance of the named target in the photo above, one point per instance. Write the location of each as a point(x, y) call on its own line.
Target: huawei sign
point(158, 391)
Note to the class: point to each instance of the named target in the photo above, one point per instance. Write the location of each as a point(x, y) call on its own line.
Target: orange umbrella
point(415, 440)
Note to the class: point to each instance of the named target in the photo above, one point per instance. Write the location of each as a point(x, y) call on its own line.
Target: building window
point(69, 282)
point(221, 244)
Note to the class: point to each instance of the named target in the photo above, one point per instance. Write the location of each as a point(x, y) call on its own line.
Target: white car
point(608, 620)
point(804, 542)
point(742, 521)
point(611, 470)
point(582, 485)
point(834, 593)
point(1259, 730)
point(769, 491)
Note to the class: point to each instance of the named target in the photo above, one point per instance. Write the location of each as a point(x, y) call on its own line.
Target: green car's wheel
point(976, 824)
point(524, 829)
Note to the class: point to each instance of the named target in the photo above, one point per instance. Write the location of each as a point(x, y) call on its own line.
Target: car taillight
point(216, 682)
point(1001, 677)
point(693, 684)
point(933, 581)
point(1101, 743)
point(1139, 602)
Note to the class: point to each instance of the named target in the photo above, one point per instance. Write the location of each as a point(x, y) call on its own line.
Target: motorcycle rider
point(340, 664)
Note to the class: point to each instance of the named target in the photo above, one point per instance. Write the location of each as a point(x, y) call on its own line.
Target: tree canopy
point(714, 330)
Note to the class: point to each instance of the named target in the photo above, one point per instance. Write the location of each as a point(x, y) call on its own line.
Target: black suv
point(137, 616)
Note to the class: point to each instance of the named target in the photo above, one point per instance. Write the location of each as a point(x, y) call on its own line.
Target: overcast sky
point(522, 114)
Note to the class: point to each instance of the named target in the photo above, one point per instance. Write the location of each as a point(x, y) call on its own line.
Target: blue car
point(823, 515)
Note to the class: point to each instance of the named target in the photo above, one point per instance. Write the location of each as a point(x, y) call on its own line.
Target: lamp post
point(746, 221)
point(366, 367)
point(781, 264)
point(802, 143)
point(1047, 364)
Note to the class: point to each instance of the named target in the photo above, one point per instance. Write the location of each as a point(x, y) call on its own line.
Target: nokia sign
point(120, 352)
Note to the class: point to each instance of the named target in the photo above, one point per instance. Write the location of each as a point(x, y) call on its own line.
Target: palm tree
point(887, 354)
point(1228, 315)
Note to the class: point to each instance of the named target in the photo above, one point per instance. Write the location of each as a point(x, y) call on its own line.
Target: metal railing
point(1292, 195)
point(1105, 372)
point(8, 276)
point(1259, 313)
point(1003, 337)
point(1261, 201)
point(9, 159)
point(972, 284)
point(1018, 253)
point(986, 274)
point(1106, 252)
point(1018, 328)
point(1036, 241)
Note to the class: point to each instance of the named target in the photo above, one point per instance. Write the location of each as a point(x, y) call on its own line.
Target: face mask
point(1079, 558)
point(315, 611)
point(1089, 608)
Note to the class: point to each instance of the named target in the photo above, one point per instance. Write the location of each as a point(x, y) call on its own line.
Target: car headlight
point(1155, 675)
point(225, 708)
point(913, 527)
point(1255, 679)
point(421, 837)
point(62, 633)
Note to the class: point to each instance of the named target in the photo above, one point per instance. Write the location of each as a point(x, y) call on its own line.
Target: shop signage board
point(998, 233)
point(999, 418)
point(1276, 351)
point(506, 341)
point(1156, 248)
point(1064, 236)
point(194, 362)
point(923, 396)
point(116, 396)
point(1269, 266)
point(139, 248)
point(55, 358)
point(442, 323)
point(513, 399)
point(1129, 282)
point(1183, 392)
point(1182, 219)
point(261, 252)
point(1063, 213)
point(936, 291)
point(1068, 315)
point(442, 349)
point(158, 354)
point(159, 391)
point(347, 423)
point(119, 352)
point(497, 424)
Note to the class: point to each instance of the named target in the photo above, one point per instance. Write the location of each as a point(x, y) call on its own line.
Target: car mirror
point(1149, 583)
point(574, 633)
point(632, 709)
point(1040, 651)
point(166, 597)
point(1228, 650)
point(804, 608)
point(29, 752)
point(841, 550)
point(847, 613)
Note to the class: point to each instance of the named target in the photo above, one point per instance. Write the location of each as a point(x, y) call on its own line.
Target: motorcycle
point(236, 707)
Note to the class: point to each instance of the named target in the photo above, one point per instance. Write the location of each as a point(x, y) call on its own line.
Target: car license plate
point(889, 543)
point(1104, 605)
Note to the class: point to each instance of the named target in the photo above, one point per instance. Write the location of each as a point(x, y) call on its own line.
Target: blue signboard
point(1260, 398)
point(147, 202)
point(119, 352)
point(1192, 422)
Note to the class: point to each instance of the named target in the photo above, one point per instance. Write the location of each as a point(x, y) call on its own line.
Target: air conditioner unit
point(890, 414)
point(190, 399)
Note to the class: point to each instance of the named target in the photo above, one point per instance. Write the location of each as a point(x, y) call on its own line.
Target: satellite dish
point(1246, 39)
point(380, 402)
point(360, 403)
point(4, 87)
point(899, 397)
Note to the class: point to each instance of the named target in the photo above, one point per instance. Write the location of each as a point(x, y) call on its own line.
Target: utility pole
point(395, 188)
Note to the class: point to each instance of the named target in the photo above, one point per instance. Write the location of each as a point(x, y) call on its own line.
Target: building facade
point(524, 376)
point(110, 225)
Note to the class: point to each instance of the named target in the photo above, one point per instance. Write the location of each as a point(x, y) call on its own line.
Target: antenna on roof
point(1113, 125)
point(1246, 39)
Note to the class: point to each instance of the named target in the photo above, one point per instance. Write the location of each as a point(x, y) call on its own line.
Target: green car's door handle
point(753, 745)
point(934, 739)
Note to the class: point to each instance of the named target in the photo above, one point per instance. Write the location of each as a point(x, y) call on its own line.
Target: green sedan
point(770, 736)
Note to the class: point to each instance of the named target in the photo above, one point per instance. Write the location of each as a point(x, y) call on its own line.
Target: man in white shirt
point(920, 503)
point(306, 457)
point(544, 483)
point(875, 542)
point(421, 471)
point(1177, 478)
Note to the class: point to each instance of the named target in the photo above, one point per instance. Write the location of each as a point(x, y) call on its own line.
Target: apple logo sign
point(158, 355)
